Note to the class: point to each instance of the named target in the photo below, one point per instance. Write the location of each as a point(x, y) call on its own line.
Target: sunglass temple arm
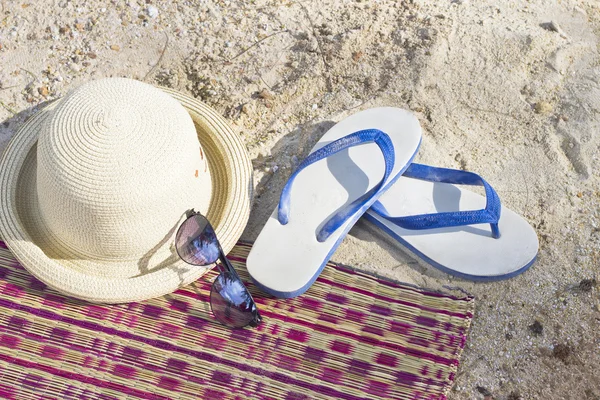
point(224, 261)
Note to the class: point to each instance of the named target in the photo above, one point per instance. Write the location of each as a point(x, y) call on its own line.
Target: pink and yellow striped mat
point(351, 336)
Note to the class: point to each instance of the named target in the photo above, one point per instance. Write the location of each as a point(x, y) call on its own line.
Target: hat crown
point(117, 118)
point(119, 163)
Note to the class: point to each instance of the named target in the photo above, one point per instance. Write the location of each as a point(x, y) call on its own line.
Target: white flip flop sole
point(286, 259)
point(469, 251)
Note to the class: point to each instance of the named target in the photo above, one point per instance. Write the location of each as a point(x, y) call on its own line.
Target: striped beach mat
point(351, 336)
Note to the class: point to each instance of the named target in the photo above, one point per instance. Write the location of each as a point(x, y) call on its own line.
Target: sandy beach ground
point(510, 90)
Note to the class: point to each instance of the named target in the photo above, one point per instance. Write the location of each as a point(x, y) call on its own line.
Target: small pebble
point(542, 107)
point(115, 47)
point(586, 285)
point(425, 34)
point(152, 11)
point(357, 55)
point(314, 106)
point(265, 94)
point(536, 328)
point(554, 27)
point(43, 91)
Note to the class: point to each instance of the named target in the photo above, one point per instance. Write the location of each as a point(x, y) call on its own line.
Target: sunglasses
point(230, 301)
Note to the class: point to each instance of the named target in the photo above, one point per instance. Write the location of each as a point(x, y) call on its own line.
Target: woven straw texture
point(92, 212)
point(351, 336)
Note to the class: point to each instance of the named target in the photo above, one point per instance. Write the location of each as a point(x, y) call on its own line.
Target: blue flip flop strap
point(334, 222)
point(490, 214)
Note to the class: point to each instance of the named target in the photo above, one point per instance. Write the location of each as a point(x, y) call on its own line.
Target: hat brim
point(161, 271)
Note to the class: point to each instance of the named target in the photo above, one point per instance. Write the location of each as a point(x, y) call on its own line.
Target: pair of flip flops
point(363, 166)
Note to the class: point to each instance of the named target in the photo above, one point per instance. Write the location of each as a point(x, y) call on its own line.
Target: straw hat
point(95, 185)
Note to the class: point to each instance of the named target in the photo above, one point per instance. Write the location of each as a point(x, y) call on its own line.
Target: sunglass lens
point(231, 302)
point(196, 242)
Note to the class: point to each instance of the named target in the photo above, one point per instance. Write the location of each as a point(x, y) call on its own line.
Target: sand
point(510, 90)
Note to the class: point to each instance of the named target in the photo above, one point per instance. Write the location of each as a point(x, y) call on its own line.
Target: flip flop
point(454, 229)
point(347, 170)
